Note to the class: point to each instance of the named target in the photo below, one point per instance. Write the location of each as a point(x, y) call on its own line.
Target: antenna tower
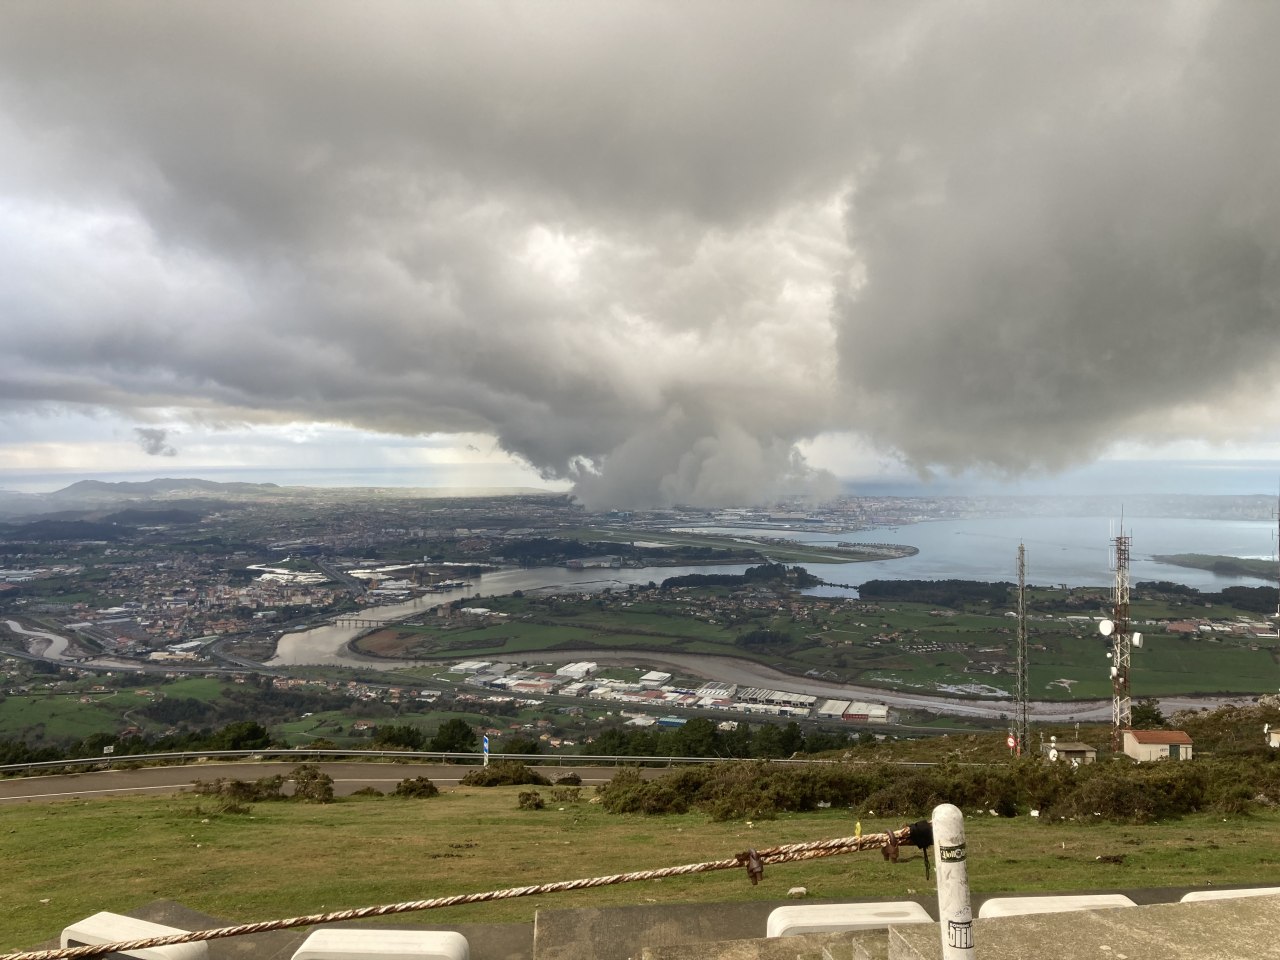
point(1121, 646)
point(1024, 729)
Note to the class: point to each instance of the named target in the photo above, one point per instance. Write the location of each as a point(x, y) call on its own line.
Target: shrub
point(367, 792)
point(241, 791)
point(416, 787)
point(311, 784)
point(504, 773)
point(531, 800)
point(569, 780)
point(566, 794)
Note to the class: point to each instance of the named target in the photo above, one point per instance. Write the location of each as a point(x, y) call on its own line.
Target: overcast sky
point(664, 252)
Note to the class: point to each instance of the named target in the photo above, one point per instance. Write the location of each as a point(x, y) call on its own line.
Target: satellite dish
point(1106, 628)
point(1137, 639)
point(1114, 671)
point(1053, 755)
point(1108, 654)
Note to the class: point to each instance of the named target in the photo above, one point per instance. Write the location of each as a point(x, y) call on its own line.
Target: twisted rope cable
point(786, 853)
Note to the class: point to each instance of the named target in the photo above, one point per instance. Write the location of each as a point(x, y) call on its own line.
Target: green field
point(1230, 566)
point(70, 859)
point(899, 646)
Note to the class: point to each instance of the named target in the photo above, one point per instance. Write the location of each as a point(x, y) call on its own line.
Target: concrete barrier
point(1022, 906)
point(373, 943)
point(839, 917)
point(114, 928)
point(1198, 895)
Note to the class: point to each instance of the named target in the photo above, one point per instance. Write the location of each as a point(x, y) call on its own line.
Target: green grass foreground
point(67, 860)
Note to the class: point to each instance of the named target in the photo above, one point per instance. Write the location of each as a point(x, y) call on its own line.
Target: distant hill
point(68, 530)
point(83, 490)
point(144, 517)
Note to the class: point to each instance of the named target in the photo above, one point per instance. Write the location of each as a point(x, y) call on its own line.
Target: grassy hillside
point(70, 859)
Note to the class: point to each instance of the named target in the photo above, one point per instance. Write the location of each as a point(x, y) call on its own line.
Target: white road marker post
point(955, 915)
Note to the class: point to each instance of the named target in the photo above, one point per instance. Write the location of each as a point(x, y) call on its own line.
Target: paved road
point(347, 778)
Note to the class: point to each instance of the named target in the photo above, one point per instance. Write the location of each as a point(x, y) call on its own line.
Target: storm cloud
point(650, 247)
point(155, 442)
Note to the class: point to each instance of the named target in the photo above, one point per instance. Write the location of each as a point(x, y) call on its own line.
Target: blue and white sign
point(486, 749)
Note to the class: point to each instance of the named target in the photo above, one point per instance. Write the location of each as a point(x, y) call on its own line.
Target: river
point(1070, 550)
point(54, 646)
point(1059, 550)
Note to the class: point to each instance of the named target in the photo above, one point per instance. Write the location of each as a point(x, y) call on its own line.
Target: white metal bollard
point(955, 915)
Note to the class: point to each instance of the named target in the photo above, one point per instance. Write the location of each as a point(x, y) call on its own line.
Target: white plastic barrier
point(372, 943)
point(114, 928)
point(1197, 895)
point(838, 917)
point(1019, 906)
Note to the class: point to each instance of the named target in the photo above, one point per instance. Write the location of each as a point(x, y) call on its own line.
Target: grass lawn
point(70, 859)
point(61, 716)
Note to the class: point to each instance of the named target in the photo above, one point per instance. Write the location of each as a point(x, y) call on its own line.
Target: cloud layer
point(649, 247)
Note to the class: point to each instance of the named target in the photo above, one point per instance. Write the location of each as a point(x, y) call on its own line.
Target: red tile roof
point(1160, 736)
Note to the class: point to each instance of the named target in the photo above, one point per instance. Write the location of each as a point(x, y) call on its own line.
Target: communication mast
point(1117, 628)
point(1023, 733)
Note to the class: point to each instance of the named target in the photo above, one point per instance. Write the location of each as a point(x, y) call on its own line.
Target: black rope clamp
point(754, 865)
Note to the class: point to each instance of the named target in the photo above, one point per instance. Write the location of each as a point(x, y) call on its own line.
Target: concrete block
point(375, 943)
point(1021, 906)
point(1212, 930)
point(113, 928)
point(1197, 895)
point(835, 917)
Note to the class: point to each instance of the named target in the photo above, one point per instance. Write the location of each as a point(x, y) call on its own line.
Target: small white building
point(655, 678)
point(579, 670)
point(862, 712)
point(1144, 745)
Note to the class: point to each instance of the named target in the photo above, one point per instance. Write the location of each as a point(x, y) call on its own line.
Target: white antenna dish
point(1108, 654)
point(1114, 671)
point(1053, 756)
point(1137, 639)
point(1106, 628)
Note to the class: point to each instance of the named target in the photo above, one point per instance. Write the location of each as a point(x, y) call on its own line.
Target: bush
point(569, 780)
point(241, 791)
point(531, 800)
point(417, 787)
point(566, 794)
point(311, 784)
point(367, 792)
point(504, 773)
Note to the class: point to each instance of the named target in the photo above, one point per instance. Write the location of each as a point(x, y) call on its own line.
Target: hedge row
point(1117, 790)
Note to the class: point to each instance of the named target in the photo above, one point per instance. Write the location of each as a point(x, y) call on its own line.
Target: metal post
point(955, 915)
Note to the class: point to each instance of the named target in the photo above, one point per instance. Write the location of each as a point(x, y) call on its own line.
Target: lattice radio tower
point(1023, 732)
point(1117, 628)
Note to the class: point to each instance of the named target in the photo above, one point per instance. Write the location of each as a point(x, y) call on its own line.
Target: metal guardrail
point(299, 754)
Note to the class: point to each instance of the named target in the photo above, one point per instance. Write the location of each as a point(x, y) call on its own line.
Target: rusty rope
point(753, 860)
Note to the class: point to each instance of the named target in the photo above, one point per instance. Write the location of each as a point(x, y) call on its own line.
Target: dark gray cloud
point(648, 246)
point(155, 442)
